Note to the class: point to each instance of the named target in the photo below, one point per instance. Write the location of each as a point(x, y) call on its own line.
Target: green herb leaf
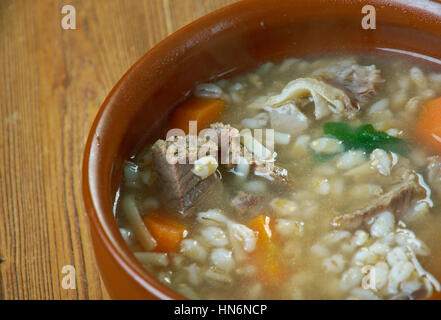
point(365, 137)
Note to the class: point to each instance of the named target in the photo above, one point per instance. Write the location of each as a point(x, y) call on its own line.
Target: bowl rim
point(128, 263)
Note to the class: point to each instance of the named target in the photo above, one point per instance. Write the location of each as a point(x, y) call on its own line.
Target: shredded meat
point(400, 198)
point(181, 189)
point(360, 81)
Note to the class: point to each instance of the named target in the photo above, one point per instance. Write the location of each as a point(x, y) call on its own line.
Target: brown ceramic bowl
point(225, 42)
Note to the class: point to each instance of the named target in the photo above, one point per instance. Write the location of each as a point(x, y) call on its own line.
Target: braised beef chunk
point(434, 173)
point(400, 198)
point(246, 203)
point(181, 189)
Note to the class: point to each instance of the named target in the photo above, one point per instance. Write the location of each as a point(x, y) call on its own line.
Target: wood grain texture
point(52, 82)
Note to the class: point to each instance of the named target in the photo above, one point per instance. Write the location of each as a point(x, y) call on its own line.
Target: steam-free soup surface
point(346, 206)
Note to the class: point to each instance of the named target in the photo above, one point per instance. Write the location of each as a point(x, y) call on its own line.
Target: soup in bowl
point(255, 161)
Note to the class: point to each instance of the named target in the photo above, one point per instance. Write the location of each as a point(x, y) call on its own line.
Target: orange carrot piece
point(167, 232)
point(428, 127)
point(204, 111)
point(266, 255)
point(261, 224)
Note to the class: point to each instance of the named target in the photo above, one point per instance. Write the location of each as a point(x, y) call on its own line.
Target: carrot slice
point(266, 255)
point(204, 111)
point(428, 127)
point(167, 232)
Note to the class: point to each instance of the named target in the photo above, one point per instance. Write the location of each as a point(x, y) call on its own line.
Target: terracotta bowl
point(225, 42)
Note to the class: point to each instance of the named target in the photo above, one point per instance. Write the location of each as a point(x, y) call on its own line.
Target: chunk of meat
point(180, 188)
point(361, 81)
point(246, 203)
point(434, 173)
point(400, 198)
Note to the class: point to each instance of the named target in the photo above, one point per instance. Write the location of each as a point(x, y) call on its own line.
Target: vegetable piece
point(428, 127)
point(365, 137)
point(204, 111)
point(266, 255)
point(167, 232)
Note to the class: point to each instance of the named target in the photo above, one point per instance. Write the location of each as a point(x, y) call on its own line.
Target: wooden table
point(52, 82)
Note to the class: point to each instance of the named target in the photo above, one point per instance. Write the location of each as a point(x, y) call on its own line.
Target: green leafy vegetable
point(365, 137)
